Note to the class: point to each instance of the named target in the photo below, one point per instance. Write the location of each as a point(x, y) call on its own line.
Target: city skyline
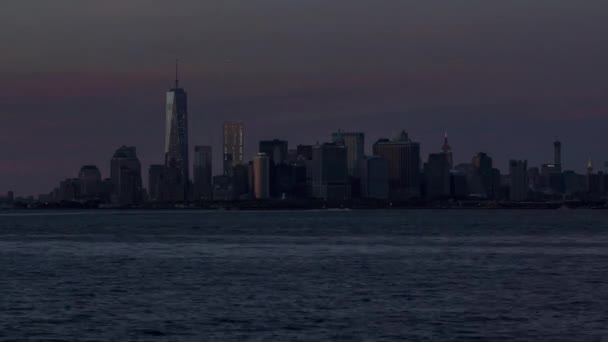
point(297, 73)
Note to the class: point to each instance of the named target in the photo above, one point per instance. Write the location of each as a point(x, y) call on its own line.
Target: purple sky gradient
point(505, 77)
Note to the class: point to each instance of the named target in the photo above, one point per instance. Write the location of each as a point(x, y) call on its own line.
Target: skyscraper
point(355, 149)
point(125, 175)
point(437, 176)
point(447, 151)
point(330, 172)
point(176, 141)
point(374, 178)
point(261, 183)
point(518, 180)
point(90, 181)
point(557, 155)
point(233, 145)
point(202, 172)
point(155, 186)
point(275, 149)
point(403, 156)
point(483, 180)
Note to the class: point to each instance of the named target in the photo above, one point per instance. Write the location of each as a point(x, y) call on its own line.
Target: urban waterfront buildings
point(336, 171)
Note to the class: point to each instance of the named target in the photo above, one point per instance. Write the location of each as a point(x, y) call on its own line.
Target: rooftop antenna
point(176, 73)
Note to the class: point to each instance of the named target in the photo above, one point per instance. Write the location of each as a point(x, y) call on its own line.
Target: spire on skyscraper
point(446, 147)
point(176, 73)
point(447, 150)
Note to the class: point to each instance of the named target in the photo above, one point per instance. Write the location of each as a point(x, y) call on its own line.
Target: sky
point(78, 79)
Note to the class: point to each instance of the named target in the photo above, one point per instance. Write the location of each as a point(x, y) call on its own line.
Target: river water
point(304, 275)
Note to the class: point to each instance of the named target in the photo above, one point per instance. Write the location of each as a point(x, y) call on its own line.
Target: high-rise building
point(125, 173)
point(483, 180)
point(518, 179)
point(355, 149)
point(374, 178)
point(233, 145)
point(304, 152)
point(155, 178)
point(437, 176)
point(330, 172)
point(240, 181)
point(447, 151)
point(90, 181)
point(275, 149)
point(202, 172)
point(403, 156)
point(261, 175)
point(557, 154)
point(176, 142)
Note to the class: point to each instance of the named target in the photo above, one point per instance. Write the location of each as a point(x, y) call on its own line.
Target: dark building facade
point(355, 149)
point(202, 173)
point(403, 156)
point(518, 180)
point(330, 179)
point(437, 176)
point(276, 150)
point(125, 173)
point(155, 176)
point(176, 144)
point(233, 145)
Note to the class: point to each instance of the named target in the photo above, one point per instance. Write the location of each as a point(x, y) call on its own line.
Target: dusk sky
point(81, 78)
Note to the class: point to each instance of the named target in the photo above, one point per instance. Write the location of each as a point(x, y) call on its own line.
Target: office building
point(125, 174)
point(355, 149)
point(90, 182)
point(304, 152)
point(374, 178)
point(155, 177)
point(483, 181)
point(261, 176)
point(518, 180)
point(330, 172)
point(557, 155)
point(447, 151)
point(202, 173)
point(437, 176)
point(403, 156)
point(276, 150)
point(233, 145)
point(176, 143)
point(240, 181)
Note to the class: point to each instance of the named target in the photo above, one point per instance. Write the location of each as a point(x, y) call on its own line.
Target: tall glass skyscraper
point(233, 145)
point(176, 141)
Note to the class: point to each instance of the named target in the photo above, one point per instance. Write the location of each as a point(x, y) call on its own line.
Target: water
point(304, 276)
